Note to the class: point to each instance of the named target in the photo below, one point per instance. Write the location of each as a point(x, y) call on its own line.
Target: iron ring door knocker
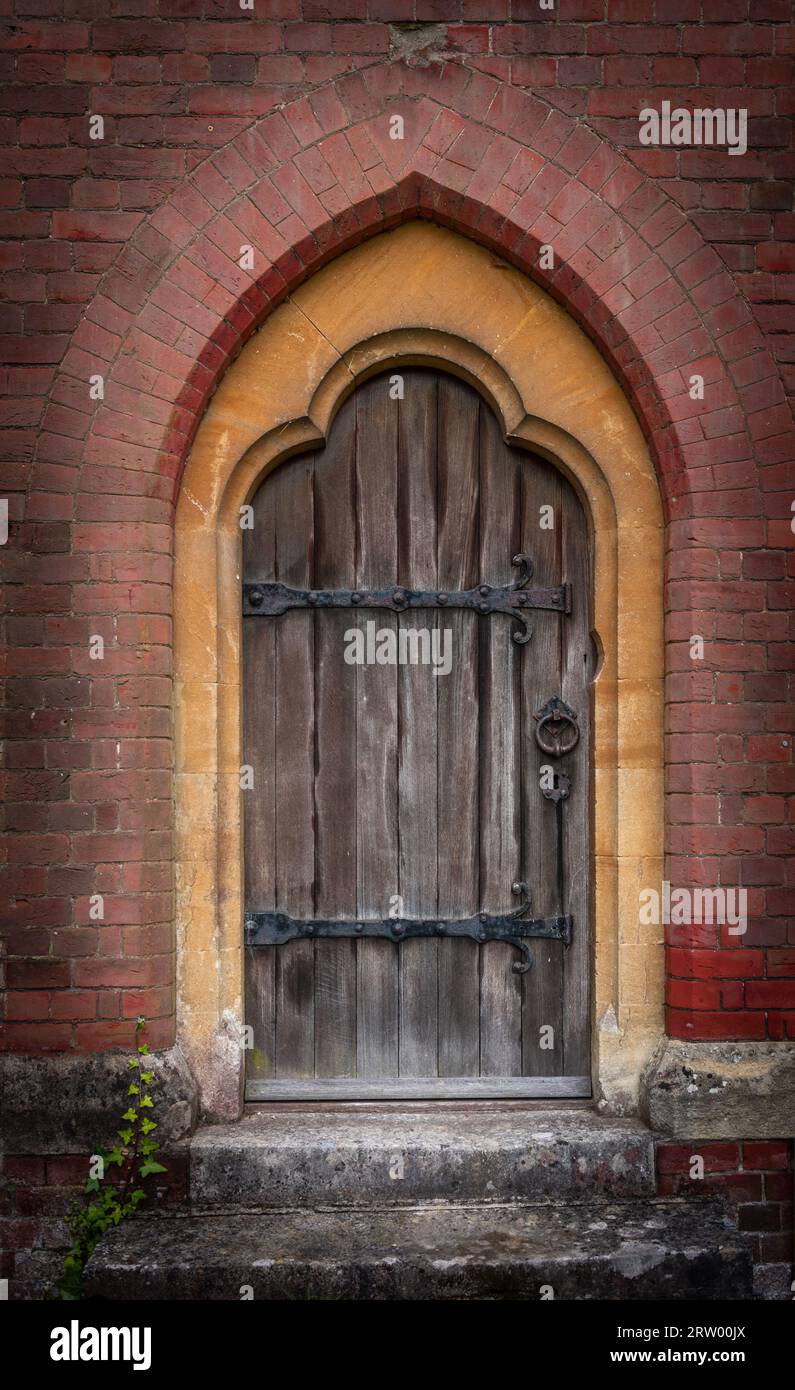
point(551, 722)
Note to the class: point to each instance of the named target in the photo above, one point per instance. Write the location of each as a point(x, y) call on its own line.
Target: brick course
point(35, 1201)
point(755, 1181)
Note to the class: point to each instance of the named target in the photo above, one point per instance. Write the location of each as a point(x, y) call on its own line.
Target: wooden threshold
point(422, 1088)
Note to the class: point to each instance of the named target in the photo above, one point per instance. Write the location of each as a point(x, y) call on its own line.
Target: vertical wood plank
point(335, 753)
point(295, 848)
point(542, 986)
point(501, 668)
point(457, 704)
point(376, 741)
point(417, 695)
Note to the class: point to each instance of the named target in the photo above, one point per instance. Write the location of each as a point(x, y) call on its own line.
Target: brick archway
point(299, 187)
point(309, 181)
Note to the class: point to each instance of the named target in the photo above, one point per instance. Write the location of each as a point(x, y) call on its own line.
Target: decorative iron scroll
point(271, 600)
point(275, 928)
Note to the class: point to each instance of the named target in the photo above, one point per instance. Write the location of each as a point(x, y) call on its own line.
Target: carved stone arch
point(420, 293)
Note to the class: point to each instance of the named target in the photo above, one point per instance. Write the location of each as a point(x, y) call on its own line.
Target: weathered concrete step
point(281, 1156)
point(639, 1249)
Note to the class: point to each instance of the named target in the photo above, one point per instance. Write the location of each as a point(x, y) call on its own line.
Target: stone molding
point(58, 1104)
point(721, 1090)
point(420, 293)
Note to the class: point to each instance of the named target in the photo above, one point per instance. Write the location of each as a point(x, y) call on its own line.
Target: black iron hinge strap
point(276, 928)
point(272, 600)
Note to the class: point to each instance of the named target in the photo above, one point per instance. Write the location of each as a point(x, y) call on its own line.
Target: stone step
point(601, 1250)
point(308, 1156)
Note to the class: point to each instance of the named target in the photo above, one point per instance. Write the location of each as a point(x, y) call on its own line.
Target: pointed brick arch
point(300, 186)
point(309, 181)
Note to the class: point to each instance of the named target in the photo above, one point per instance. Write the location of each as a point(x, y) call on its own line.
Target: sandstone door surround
point(421, 294)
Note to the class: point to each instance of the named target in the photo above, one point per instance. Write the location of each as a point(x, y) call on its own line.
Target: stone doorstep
point(637, 1249)
point(281, 1156)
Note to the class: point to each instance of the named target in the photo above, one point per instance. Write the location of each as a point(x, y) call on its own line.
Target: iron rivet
point(441, 598)
point(399, 596)
point(484, 589)
point(311, 598)
point(481, 936)
point(356, 598)
point(482, 916)
point(255, 598)
point(483, 608)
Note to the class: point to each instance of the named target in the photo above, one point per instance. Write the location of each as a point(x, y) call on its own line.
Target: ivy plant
point(108, 1200)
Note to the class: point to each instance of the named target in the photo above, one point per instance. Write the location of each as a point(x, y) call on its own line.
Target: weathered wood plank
point(501, 667)
point(422, 1088)
point(376, 741)
point(294, 790)
point(542, 986)
point(260, 1015)
point(417, 695)
point(458, 560)
point(335, 753)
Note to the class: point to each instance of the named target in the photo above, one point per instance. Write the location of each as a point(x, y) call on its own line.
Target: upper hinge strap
point(272, 599)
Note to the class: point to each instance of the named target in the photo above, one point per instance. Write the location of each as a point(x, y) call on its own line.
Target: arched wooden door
point(397, 790)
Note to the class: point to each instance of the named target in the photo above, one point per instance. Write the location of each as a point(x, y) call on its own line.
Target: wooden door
point(382, 790)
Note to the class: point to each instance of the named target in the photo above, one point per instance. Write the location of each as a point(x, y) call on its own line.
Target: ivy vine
point(107, 1200)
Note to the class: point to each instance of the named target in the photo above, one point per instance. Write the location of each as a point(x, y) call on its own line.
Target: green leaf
point(89, 1219)
point(150, 1166)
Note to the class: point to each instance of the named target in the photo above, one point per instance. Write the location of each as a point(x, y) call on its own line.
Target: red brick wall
point(118, 258)
point(755, 1181)
point(36, 1198)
